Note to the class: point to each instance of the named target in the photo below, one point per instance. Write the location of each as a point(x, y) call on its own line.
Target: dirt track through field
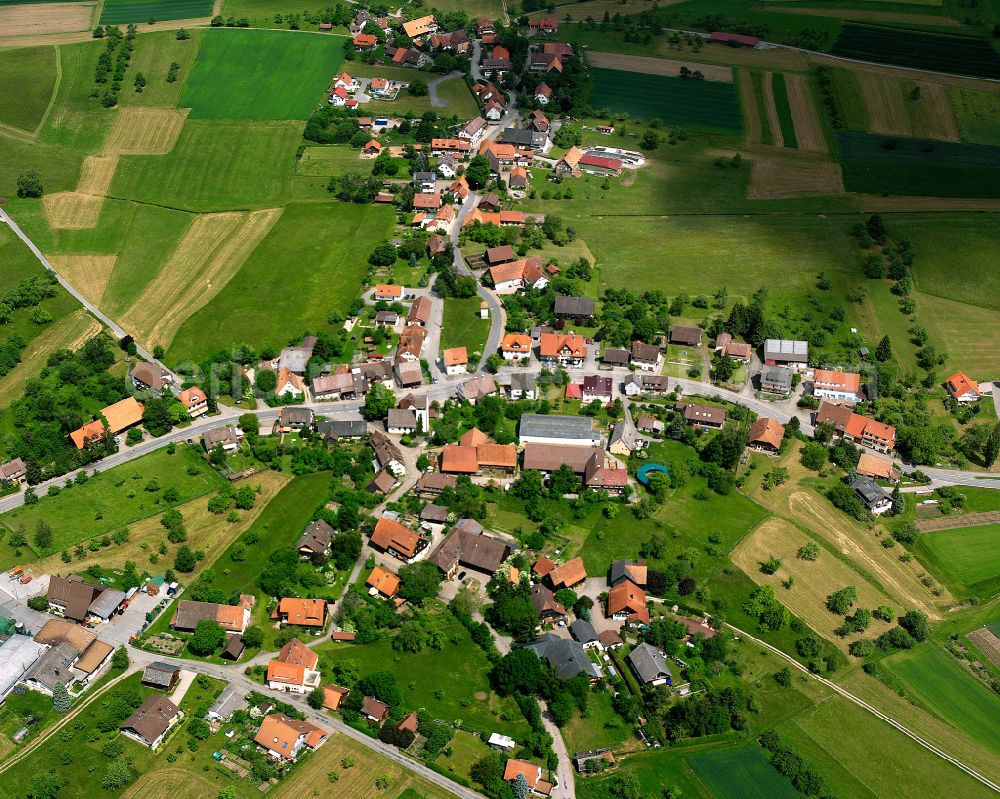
point(144, 131)
point(779, 178)
point(211, 252)
point(748, 97)
point(33, 19)
point(932, 116)
point(772, 112)
point(963, 520)
point(89, 274)
point(808, 131)
point(658, 66)
point(883, 96)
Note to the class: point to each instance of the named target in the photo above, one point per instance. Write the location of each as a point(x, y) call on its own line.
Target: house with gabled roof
point(396, 539)
point(284, 738)
point(382, 582)
point(649, 665)
point(840, 386)
point(962, 388)
point(569, 575)
point(627, 602)
point(564, 349)
point(766, 435)
point(294, 670)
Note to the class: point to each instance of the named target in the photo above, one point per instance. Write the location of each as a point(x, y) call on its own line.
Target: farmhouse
point(627, 602)
point(395, 539)
point(587, 462)
point(232, 618)
point(581, 308)
point(543, 25)
point(544, 601)
point(857, 428)
point(686, 336)
point(875, 467)
point(841, 386)
point(478, 387)
point(477, 453)
point(875, 498)
point(283, 738)
point(737, 350)
point(554, 429)
point(119, 417)
point(766, 435)
point(568, 575)
point(364, 41)
point(150, 722)
point(433, 485)
point(420, 26)
point(468, 546)
point(531, 139)
point(961, 388)
point(646, 356)
point(649, 665)
point(150, 377)
point(562, 349)
point(411, 342)
point(401, 421)
point(785, 352)
point(567, 165)
point(294, 670)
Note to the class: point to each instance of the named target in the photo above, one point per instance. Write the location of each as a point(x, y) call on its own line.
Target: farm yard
point(699, 104)
point(940, 52)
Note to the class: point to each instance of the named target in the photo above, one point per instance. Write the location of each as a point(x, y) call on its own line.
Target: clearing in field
point(978, 115)
point(658, 66)
point(774, 178)
point(813, 580)
point(120, 12)
point(44, 18)
point(88, 274)
point(144, 131)
point(33, 72)
point(211, 252)
point(704, 105)
point(742, 773)
point(883, 95)
point(68, 333)
point(771, 110)
point(942, 684)
point(967, 557)
point(171, 783)
point(260, 74)
point(808, 131)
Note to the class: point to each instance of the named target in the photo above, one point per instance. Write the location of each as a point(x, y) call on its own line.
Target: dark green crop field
point(121, 12)
point(941, 52)
point(741, 774)
point(260, 74)
point(701, 104)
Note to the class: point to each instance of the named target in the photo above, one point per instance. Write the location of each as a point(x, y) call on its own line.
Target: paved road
point(432, 86)
point(566, 789)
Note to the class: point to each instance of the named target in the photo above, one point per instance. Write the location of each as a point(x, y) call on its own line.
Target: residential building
point(567, 657)
point(511, 277)
point(962, 388)
point(568, 575)
point(567, 350)
point(649, 424)
point(14, 471)
point(840, 386)
point(374, 710)
point(610, 639)
point(150, 377)
point(524, 137)
point(522, 386)
point(468, 546)
point(737, 350)
point(877, 468)
point(776, 380)
point(597, 388)
point(567, 165)
point(382, 582)
point(302, 612)
point(226, 437)
point(336, 429)
point(421, 408)
point(766, 435)
point(411, 342)
point(478, 387)
point(294, 419)
point(649, 665)
point(875, 498)
point(583, 631)
point(227, 703)
point(118, 416)
point(289, 385)
point(232, 618)
point(580, 308)
point(473, 131)
point(395, 539)
point(543, 94)
point(857, 428)
point(615, 356)
point(785, 352)
point(455, 361)
point(284, 738)
point(409, 373)
point(515, 346)
point(161, 675)
point(433, 485)
point(622, 570)
point(401, 421)
point(333, 695)
point(150, 722)
point(194, 400)
point(623, 440)
point(627, 602)
point(646, 356)
point(535, 428)
point(549, 610)
point(704, 416)
point(531, 773)
point(294, 670)
point(685, 336)
point(420, 26)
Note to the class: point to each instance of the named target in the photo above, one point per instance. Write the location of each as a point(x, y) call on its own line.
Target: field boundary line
point(55, 90)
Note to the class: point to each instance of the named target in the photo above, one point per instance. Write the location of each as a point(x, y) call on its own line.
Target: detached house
point(455, 360)
point(857, 428)
point(315, 541)
point(841, 386)
point(150, 722)
point(301, 612)
point(283, 738)
point(597, 388)
point(194, 400)
point(649, 665)
point(294, 670)
point(766, 435)
point(395, 539)
point(704, 416)
point(564, 350)
point(646, 356)
point(515, 346)
point(382, 582)
point(962, 389)
point(627, 602)
point(473, 131)
point(468, 546)
point(738, 351)
point(543, 94)
point(150, 377)
point(875, 498)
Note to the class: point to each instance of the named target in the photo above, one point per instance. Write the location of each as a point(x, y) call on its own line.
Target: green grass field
point(742, 773)
point(850, 100)
point(766, 136)
point(938, 682)
point(323, 249)
point(602, 727)
point(33, 71)
point(120, 12)
point(784, 110)
point(968, 558)
point(462, 327)
point(978, 115)
point(256, 74)
point(697, 104)
point(153, 59)
point(332, 159)
point(114, 498)
point(215, 166)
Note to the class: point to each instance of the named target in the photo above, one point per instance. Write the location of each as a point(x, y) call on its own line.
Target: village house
point(649, 665)
point(567, 658)
point(857, 428)
point(543, 94)
point(395, 539)
point(382, 582)
point(549, 610)
point(401, 421)
point(336, 429)
point(650, 425)
point(584, 633)
point(300, 612)
point(875, 498)
point(468, 546)
point(704, 416)
point(333, 696)
point(840, 386)
point(119, 416)
point(766, 435)
point(877, 468)
point(685, 336)
point(387, 454)
point(637, 384)
point(962, 388)
point(374, 710)
point(737, 350)
point(457, 147)
point(776, 380)
point(518, 178)
point(515, 346)
point(73, 598)
point(150, 377)
point(194, 400)
point(522, 386)
point(315, 541)
point(581, 309)
point(409, 373)
point(568, 575)
point(432, 485)
point(284, 738)
point(14, 471)
point(161, 675)
point(543, 25)
point(622, 570)
point(294, 670)
point(420, 26)
point(231, 618)
point(473, 131)
point(150, 722)
point(294, 419)
point(786, 352)
point(478, 387)
point(364, 41)
point(615, 356)
point(289, 385)
point(646, 356)
point(595, 387)
point(371, 150)
point(597, 473)
point(623, 440)
point(455, 361)
point(567, 350)
point(411, 342)
point(228, 438)
point(567, 165)
point(627, 602)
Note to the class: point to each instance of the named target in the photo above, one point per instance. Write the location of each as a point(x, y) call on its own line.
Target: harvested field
point(862, 15)
point(976, 354)
point(72, 210)
point(932, 116)
point(779, 178)
point(773, 122)
point(144, 131)
point(987, 643)
point(211, 252)
point(814, 580)
point(751, 115)
point(68, 333)
point(658, 66)
point(962, 520)
point(808, 132)
point(96, 174)
point(89, 274)
point(34, 19)
point(884, 101)
point(171, 783)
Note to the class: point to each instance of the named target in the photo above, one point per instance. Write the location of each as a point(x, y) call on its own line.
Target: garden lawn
point(601, 728)
point(323, 250)
point(120, 12)
point(697, 104)
point(112, 499)
point(462, 326)
point(742, 773)
point(968, 558)
point(656, 769)
point(258, 74)
point(451, 683)
point(33, 71)
point(938, 681)
point(215, 166)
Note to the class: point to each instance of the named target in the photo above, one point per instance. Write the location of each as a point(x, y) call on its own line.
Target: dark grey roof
point(576, 428)
point(159, 673)
point(622, 431)
point(526, 138)
point(869, 492)
point(317, 537)
point(107, 603)
point(648, 663)
point(568, 658)
point(294, 359)
point(583, 631)
point(616, 355)
point(618, 572)
point(229, 701)
point(575, 306)
point(54, 666)
point(343, 428)
point(780, 376)
point(152, 718)
point(780, 349)
point(424, 177)
point(522, 381)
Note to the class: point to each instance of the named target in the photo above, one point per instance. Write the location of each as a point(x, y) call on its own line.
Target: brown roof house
point(374, 710)
point(150, 377)
point(545, 604)
point(467, 545)
point(568, 575)
point(766, 435)
point(704, 416)
point(395, 539)
point(315, 541)
point(150, 722)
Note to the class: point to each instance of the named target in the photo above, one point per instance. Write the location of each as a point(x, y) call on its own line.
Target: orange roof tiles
point(502, 455)
point(959, 384)
point(230, 617)
point(543, 566)
point(555, 344)
point(191, 397)
point(516, 342)
point(384, 581)
point(767, 431)
point(474, 438)
point(628, 597)
point(455, 356)
point(303, 612)
point(456, 459)
point(297, 653)
point(388, 290)
point(364, 40)
point(514, 768)
point(844, 381)
point(333, 695)
point(391, 534)
point(569, 574)
point(123, 414)
point(89, 432)
point(287, 673)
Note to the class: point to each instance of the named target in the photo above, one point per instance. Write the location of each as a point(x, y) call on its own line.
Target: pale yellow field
point(72, 210)
point(211, 252)
point(206, 531)
point(932, 116)
point(68, 333)
point(883, 96)
point(658, 66)
point(750, 113)
point(171, 783)
point(145, 131)
point(773, 178)
point(808, 131)
point(89, 274)
point(96, 174)
point(35, 19)
point(814, 580)
point(773, 122)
